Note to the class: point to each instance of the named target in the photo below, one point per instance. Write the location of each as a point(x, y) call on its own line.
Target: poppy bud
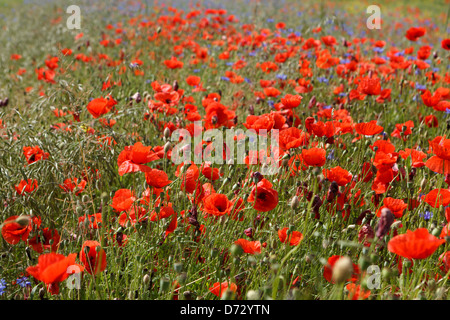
point(164, 285)
point(312, 102)
point(253, 295)
point(385, 222)
point(227, 295)
point(364, 263)
point(178, 267)
point(257, 177)
point(342, 270)
point(249, 232)
point(317, 203)
point(236, 250)
point(167, 147)
point(146, 279)
point(251, 110)
point(366, 233)
point(137, 97)
point(41, 293)
point(23, 220)
point(423, 183)
point(447, 179)
point(332, 191)
point(5, 102)
point(187, 295)
point(295, 203)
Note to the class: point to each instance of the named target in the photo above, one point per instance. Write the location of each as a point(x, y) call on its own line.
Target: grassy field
point(161, 231)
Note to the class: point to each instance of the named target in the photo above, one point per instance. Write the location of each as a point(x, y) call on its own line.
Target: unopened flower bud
point(295, 203)
point(146, 279)
point(386, 220)
point(342, 270)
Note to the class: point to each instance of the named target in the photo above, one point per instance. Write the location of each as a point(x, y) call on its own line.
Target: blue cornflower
point(420, 86)
point(330, 155)
point(229, 64)
point(23, 282)
point(225, 78)
point(427, 215)
point(378, 50)
point(2, 286)
point(322, 79)
point(282, 76)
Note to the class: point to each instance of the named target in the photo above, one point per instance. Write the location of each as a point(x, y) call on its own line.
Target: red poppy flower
point(264, 197)
point(370, 86)
point(132, 158)
point(123, 200)
point(52, 268)
point(94, 220)
point(415, 33)
point(439, 163)
point(338, 175)
point(355, 292)
point(444, 261)
point(100, 106)
point(368, 128)
point(438, 197)
point(26, 186)
point(72, 185)
point(445, 44)
point(218, 289)
point(210, 172)
point(397, 206)
point(292, 138)
point(418, 244)
point(291, 101)
point(132, 216)
point(13, 231)
point(93, 257)
point(157, 178)
point(46, 239)
point(294, 238)
point(251, 247)
point(33, 154)
point(217, 204)
point(315, 157)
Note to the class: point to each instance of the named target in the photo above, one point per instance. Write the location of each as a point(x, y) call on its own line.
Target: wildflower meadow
point(224, 150)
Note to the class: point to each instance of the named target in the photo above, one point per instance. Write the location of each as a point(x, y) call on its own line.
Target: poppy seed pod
point(385, 222)
point(342, 270)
